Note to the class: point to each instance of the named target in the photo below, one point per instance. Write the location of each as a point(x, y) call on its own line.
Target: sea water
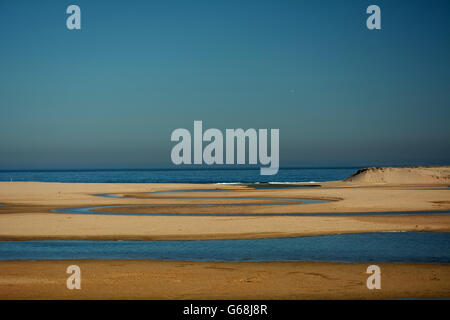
point(179, 175)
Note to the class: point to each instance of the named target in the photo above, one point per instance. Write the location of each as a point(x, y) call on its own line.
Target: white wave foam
point(276, 182)
point(270, 182)
point(229, 183)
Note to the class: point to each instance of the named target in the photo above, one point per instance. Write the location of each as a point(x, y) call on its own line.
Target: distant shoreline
point(237, 176)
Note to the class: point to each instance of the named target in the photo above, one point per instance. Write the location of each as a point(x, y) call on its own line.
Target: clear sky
point(109, 95)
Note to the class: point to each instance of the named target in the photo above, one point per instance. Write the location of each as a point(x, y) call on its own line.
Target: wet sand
point(27, 211)
point(119, 279)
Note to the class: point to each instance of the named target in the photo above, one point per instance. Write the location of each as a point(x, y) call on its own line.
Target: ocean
point(179, 175)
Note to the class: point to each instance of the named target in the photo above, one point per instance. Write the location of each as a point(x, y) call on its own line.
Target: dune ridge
point(402, 175)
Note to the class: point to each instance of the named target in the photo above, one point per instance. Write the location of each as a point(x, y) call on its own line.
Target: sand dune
point(402, 175)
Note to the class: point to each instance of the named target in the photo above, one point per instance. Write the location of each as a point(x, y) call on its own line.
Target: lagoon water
point(91, 210)
point(111, 208)
point(400, 247)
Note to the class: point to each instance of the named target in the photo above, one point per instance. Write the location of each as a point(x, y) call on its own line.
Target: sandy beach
point(26, 214)
point(119, 279)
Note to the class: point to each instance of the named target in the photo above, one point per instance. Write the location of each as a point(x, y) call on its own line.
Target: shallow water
point(295, 201)
point(89, 210)
point(401, 247)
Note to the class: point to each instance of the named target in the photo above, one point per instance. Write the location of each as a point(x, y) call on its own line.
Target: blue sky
point(109, 95)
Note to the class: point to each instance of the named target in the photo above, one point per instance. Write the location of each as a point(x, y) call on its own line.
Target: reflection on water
point(402, 247)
